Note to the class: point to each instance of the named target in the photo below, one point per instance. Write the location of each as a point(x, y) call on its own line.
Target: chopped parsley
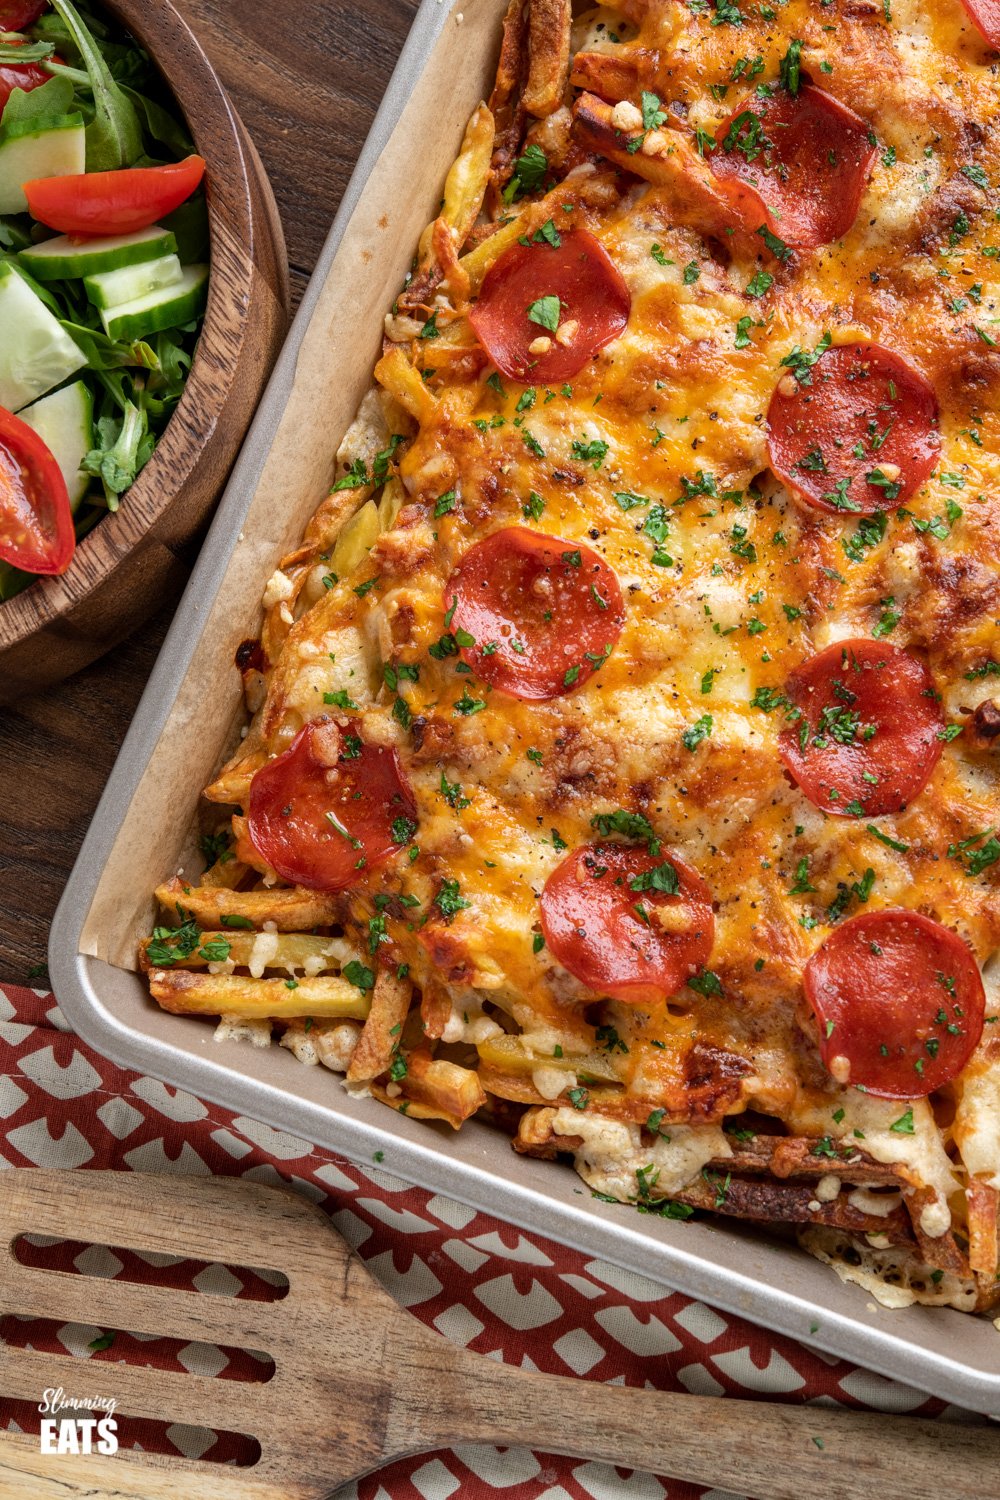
point(790, 67)
point(630, 825)
point(359, 974)
point(801, 361)
point(706, 983)
point(449, 900)
point(759, 284)
point(529, 172)
point(661, 878)
point(172, 943)
point(696, 732)
point(545, 312)
point(776, 245)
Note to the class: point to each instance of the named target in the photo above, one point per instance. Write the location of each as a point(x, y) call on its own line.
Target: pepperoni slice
point(861, 436)
point(985, 16)
point(807, 157)
point(899, 1000)
point(329, 807)
point(626, 922)
point(866, 738)
point(534, 615)
point(543, 312)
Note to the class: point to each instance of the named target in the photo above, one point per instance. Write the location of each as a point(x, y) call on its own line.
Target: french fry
point(548, 55)
point(225, 872)
point(184, 992)
point(614, 75)
point(389, 1008)
point(391, 503)
point(514, 1056)
point(294, 910)
point(983, 1202)
point(598, 190)
point(232, 785)
point(355, 540)
point(466, 183)
point(668, 160)
point(330, 519)
point(519, 1088)
point(939, 1250)
point(434, 1089)
point(513, 56)
point(453, 278)
point(536, 1137)
point(396, 375)
point(478, 261)
point(288, 951)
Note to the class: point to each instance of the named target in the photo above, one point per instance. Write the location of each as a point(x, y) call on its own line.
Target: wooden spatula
point(359, 1382)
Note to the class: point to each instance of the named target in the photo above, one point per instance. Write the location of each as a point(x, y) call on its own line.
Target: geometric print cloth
point(516, 1297)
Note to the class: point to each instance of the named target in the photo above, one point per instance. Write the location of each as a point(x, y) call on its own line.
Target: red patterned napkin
point(515, 1297)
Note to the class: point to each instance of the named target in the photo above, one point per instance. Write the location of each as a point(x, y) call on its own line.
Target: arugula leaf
point(119, 457)
point(109, 354)
point(114, 136)
point(189, 227)
point(159, 124)
point(13, 234)
point(166, 382)
point(25, 52)
point(52, 98)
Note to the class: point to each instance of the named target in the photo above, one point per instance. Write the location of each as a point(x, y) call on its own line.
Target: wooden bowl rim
point(214, 125)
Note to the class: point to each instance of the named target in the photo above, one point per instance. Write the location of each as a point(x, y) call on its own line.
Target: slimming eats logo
point(77, 1424)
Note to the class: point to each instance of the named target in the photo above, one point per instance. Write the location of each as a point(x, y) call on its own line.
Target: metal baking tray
point(190, 712)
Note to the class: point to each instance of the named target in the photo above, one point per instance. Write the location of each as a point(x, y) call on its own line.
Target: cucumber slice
point(49, 147)
point(65, 423)
point(55, 259)
point(112, 288)
point(168, 308)
point(36, 353)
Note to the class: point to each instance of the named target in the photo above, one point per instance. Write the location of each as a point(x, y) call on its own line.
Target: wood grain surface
point(307, 89)
point(369, 1383)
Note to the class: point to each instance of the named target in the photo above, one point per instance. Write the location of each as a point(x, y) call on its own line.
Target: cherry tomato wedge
point(543, 312)
point(26, 76)
point(93, 204)
point(36, 522)
point(899, 1001)
point(807, 157)
point(328, 808)
point(628, 923)
point(985, 16)
point(15, 15)
point(867, 738)
point(860, 437)
point(534, 615)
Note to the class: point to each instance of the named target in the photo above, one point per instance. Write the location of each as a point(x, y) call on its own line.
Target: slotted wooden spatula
point(359, 1382)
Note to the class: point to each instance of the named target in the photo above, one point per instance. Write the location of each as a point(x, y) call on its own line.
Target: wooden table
point(307, 78)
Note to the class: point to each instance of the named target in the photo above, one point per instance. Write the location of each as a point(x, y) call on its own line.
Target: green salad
point(103, 275)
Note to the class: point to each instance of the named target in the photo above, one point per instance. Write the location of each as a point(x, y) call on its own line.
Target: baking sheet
point(192, 710)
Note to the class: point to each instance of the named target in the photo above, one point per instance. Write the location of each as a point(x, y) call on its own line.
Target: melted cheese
point(612, 1154)
point(676, 409)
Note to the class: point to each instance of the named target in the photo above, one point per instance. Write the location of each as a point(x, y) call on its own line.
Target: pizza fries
point(623, 752)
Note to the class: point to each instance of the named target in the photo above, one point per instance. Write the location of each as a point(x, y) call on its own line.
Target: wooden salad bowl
point(134, 560)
